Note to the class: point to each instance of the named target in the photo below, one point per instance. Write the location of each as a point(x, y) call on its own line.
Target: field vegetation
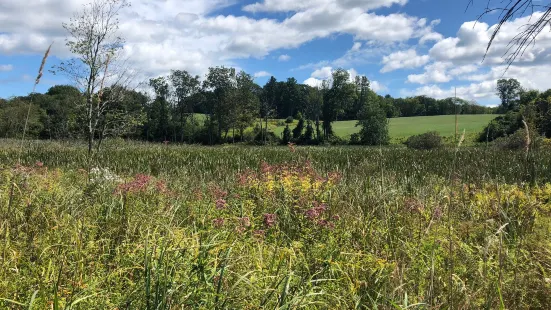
point(172, 227)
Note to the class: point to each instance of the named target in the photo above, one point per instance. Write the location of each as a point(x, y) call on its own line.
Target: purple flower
point(269, 219)
point(219, 222)
point(316, 211)
point(326, 224)
point(221, 204)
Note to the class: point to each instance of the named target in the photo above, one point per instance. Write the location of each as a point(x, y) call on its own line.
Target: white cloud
point(318, 76)
point(164, 35)
point(297, 6)
point(434, 73)
point(262, 74)
point(475, 91)
point(284, 57)
point(313, 82)
point(323, 73)
point(377, 86)
point(469, 45)
point(6, 68)
point(403, 60)
point(459, 59)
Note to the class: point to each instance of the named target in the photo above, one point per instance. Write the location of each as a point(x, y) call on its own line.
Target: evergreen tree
point(286, 135)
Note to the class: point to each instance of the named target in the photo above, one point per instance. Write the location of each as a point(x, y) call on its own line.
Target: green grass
point(233, 227)
point(404, 127)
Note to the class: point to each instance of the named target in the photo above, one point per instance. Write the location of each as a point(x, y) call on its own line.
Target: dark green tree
point(373, 122)
point(286, 135)
point(509, 91)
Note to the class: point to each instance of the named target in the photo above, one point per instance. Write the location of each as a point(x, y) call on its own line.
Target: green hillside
point(404, 127)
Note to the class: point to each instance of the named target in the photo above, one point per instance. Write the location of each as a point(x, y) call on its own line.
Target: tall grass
point(176, 227)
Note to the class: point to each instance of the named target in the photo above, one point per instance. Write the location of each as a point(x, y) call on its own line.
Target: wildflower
point(259, 233)
point(217, 192)
point(161, 187)
point(437, 214)
point(39, 164)
point(139, 184)
point(221, 204)
point(265, 168)
point(414, 205)
point(315, 211)
point(269, 219)
point(219, 222)
point(245, 221)
point(326, 224)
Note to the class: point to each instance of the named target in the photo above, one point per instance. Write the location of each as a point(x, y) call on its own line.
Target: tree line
point(224, 106)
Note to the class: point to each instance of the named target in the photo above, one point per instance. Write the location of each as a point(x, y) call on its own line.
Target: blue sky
point(405, 47)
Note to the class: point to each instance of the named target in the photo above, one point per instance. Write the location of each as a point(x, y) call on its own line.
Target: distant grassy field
point(404, 127)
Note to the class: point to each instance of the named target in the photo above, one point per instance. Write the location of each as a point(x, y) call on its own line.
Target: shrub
point(426, 141)
point(517, 141)
point(355, 139)
point(501, 126)
point(286, 135)
point(289, 120)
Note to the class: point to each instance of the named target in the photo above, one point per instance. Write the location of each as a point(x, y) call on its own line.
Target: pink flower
point(269, 219)
point(259, 234)
point(316, 211)
point(221, 204)
point(326, 224)
point(245, 221)
point(139, 184)
point(219, 222)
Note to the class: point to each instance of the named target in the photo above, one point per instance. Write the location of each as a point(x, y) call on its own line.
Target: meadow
point(403, 127)
point(148, 226)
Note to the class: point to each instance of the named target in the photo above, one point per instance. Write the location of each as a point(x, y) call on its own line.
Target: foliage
point(92, 37)
point(509, 91)
point(427, 141)
point(501, 126)
point(13, 116)
point(297, 131)
point(289, 120)
point(164, 227)
point(287, 136)
point(374, 125)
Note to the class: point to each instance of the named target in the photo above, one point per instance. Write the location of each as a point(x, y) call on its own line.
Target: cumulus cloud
point(377, 87)
point(324, 74)
point(297, 6)
point(403, 60)
point(6, 68)
point(284, 57)
point(472, 38)
point(262, 74)
point(459, 59)
point(164, 35)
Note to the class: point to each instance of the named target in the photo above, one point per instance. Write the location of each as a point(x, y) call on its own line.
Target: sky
point(404, 47)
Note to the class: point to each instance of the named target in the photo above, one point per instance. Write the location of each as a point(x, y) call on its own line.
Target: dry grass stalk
point(527, 142)
point(462, 139)
point(39, 76)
